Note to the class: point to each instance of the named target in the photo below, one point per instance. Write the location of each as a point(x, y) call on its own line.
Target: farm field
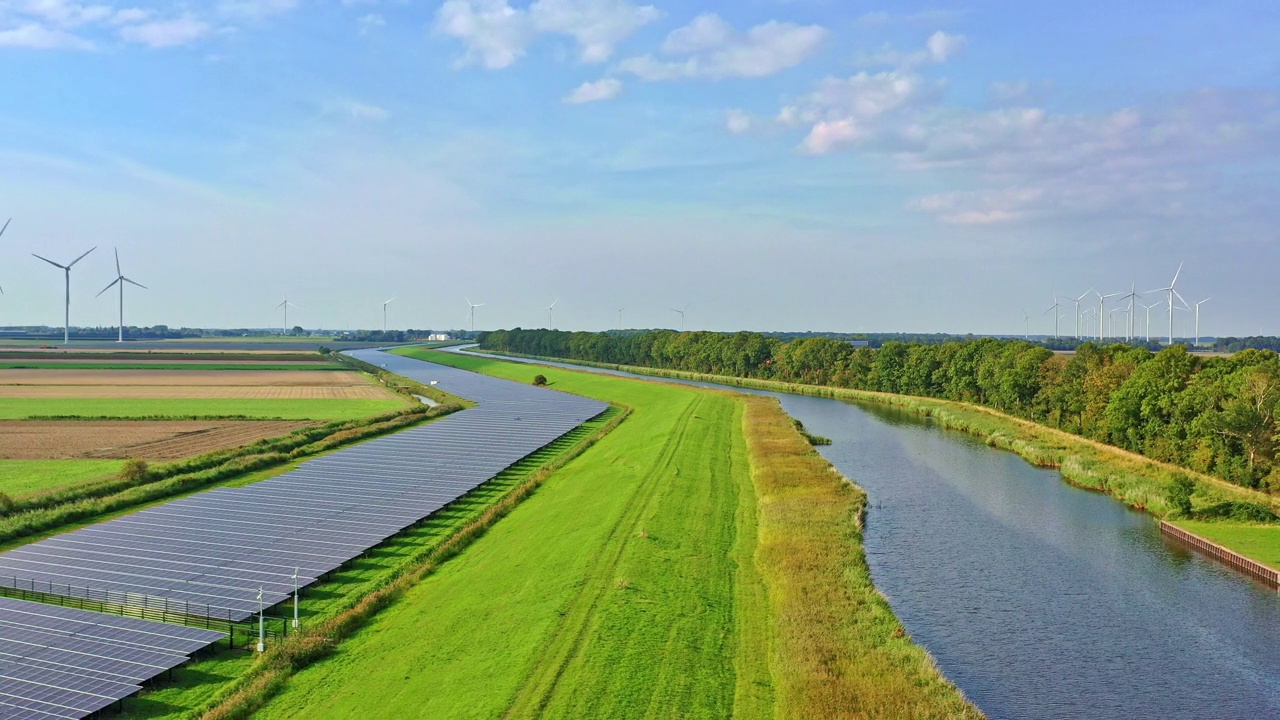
point(195, 384)
point(124, 439)
point(19, 477)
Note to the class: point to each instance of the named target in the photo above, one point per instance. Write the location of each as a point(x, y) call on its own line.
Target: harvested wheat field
point(166, 440)
point(195, 384)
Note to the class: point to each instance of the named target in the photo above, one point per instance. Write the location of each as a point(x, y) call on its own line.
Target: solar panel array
point(58, 662)
point(209, 554)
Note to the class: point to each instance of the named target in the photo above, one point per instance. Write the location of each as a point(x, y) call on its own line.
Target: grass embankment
point(1257, 542)
point(19, 477)
point(839, 644)
point(1138, 481)
point(646, 579)
point(195, 408)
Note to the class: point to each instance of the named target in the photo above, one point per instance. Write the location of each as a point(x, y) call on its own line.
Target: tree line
point(1216, 415)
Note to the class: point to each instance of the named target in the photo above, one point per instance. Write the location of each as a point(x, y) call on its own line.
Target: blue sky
point(809, 164)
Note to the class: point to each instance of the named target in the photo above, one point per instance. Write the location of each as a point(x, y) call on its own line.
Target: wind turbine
point(286, 305)
point(1027, 319)
point(1173, 292)
point(1132, 294)
point(620, 319)
point(473, 307)
point(1102, 313)
point(550, 322)
point(1147, 325)
point(384, 315)
point(120, 280)
point(686, 307)
point(66, 328)
point(1111, 321)
point(1077, 302)
point(1056, 315)
point(1198, 319)
point(2, 229)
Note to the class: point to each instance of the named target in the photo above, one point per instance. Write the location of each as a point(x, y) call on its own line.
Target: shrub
point(134, 470)
point(1179, 496)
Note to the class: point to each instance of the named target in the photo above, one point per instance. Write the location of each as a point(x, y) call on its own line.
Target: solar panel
point(58, 662)
point(209, 554)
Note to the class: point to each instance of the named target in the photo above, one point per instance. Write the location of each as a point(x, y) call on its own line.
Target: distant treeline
point(1215, 415)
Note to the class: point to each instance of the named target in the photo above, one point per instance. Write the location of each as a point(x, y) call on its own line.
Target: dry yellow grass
point(839, 650)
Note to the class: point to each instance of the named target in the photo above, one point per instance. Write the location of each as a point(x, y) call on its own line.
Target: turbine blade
point(73, 262)
point(64, 267)
point(144, 287)
point(119, 273)
point(113, 284)
point(282, 303)
point(1175, 275)
point(6, 226)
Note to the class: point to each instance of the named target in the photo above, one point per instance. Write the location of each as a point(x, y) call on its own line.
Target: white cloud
point(738, 122)
point(716, 51)
point(707, 32)
point(368, 113)
point(63, 14)
point(938, 48)
point(1006, 91)
point(254, 10)
point(38, 37)
point(597, 25)
point(368, 23)
point(165, 33)
point(604, 89)
point(496, 34)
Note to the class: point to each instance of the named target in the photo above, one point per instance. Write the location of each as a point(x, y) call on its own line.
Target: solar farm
point(219, 558)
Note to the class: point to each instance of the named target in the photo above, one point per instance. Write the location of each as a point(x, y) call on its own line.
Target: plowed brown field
point(175, 440)
point(196, 384)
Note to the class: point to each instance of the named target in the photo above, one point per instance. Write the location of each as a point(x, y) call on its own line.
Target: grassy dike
point(1138, 481)
point(699, 561)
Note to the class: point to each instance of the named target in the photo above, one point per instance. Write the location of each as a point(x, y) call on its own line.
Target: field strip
point(567, 638)
point(236, 378)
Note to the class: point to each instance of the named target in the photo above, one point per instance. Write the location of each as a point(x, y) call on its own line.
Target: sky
point(768, 164)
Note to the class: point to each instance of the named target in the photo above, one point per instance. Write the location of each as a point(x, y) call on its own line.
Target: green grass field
point(18, 477)
point(1258, 542)
point(317, 409)
point(613, 592)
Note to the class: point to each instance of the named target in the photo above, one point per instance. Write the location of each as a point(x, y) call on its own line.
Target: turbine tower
point(1132, 294)
point(620, 319)
point(473, 307)
point(2, 229)
point(1027, 319)
point(1102, 313)
point(384, 315)
point(1077, 302)
point(686, 307)
point(1173, 292)
point(1198, 319)
point(1146, 327)
point(1056, 315)
point(120, 280)
point(550, 320)
point(66, 269)
point(286, 305)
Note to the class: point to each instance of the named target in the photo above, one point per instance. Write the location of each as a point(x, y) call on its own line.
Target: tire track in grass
point(567, 638)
